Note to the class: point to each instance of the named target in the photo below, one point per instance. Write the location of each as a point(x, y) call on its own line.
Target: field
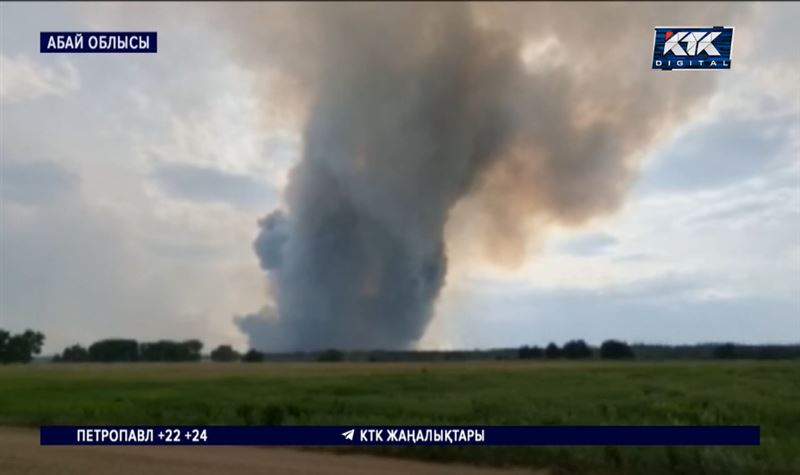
point(514, 393)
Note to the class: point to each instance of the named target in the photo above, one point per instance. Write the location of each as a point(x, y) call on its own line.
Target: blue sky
point(132, 186)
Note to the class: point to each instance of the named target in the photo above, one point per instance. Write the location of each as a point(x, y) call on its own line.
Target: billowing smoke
point(412, 109)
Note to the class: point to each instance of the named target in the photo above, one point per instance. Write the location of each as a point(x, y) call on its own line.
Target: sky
point(131, 187)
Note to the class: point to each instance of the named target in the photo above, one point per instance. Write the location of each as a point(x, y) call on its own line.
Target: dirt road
point(21, 454)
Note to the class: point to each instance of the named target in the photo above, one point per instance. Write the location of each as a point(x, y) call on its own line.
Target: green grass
point(518, 393)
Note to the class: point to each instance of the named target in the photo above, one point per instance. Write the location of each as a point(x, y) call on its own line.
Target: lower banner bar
point(400, 435)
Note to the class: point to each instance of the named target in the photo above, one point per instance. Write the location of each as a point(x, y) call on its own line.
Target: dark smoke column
point(408, 110)
point(418, 107)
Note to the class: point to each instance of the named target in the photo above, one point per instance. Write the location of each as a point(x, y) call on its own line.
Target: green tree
point(4, 337)
point(615, 349)
point(167, 350)
point(331, 355)
point(75, 353)
point(21, 347)
point(113, 350)
point(253, 356)
point(552, 351)
point(225, 353)
point(577, 349)
point(726, 351)
point(527, 352)
point(194, 349)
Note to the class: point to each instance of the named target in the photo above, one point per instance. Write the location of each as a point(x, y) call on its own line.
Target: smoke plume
point(524, 115)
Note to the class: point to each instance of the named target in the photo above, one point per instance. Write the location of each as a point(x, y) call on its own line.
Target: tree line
point(127, 350)
point(22, 347)
point(121, 350)
point(718, 351)
point(578, 349)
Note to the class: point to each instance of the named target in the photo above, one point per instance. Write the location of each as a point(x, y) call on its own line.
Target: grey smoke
point(416, 108)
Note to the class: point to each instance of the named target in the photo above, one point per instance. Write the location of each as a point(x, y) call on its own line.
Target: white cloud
point(22, 79)
point(111, 256)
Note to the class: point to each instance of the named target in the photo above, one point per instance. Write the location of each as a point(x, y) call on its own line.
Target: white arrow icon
point(349, 434)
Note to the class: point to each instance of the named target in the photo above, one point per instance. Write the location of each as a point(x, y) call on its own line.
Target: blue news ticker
point(401, 435)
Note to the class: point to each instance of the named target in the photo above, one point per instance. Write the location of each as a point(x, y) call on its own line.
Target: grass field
point(514, 393)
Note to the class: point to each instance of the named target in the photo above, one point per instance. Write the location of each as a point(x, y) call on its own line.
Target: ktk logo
point(692, 48)
point(696, 43)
